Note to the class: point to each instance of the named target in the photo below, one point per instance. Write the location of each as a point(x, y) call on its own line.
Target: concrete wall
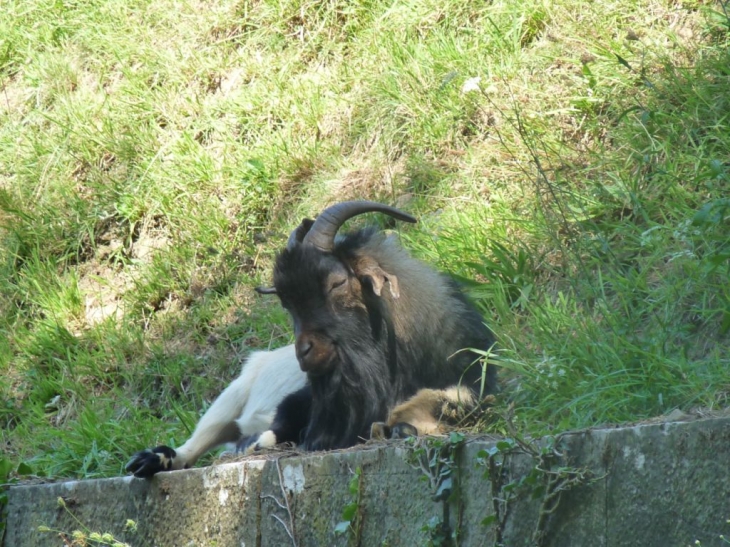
point(665, 484)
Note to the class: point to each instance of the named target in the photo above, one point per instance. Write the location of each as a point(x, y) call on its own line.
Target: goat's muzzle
point(316, 353)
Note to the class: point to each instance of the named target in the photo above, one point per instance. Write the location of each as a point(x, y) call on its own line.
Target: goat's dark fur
point(373, 326)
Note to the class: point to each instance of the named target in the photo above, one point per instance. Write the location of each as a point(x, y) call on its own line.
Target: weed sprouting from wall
point(83, 536)
point(549, 474)
point(353, 512)
point(438, 460)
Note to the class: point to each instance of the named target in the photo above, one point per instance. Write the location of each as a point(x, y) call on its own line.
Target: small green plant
point(438, 532)
point(546, 480)
point(352, 513)
point(11, 474)
point(83, 537)
point(6, 467)
point(438, 460)
point(511, 270)
point(712, 221)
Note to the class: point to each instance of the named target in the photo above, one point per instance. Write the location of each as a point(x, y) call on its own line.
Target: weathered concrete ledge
point(663, 484)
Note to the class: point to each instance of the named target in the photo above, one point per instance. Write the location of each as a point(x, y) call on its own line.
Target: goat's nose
point(304, 346)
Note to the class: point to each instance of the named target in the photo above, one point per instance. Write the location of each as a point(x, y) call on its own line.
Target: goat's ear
point(265, 290)
point(371, 270)
point(297, 236)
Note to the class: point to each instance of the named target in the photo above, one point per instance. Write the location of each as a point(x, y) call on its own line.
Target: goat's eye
point(337, 283)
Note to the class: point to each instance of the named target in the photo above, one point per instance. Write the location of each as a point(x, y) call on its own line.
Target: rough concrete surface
point(661, 484)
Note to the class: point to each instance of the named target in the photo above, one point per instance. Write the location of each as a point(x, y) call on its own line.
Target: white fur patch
point(266, 440)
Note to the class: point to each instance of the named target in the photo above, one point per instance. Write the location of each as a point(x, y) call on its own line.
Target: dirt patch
point(13, 98)
point(370, 180)
point(108, 274)
point(102, 287)
point(148, 242)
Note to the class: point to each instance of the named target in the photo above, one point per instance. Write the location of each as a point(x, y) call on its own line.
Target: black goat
point(373, 326)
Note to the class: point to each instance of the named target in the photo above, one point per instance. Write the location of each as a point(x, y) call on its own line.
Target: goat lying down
point(247, 406)
point(384, 339)
point(382, 351)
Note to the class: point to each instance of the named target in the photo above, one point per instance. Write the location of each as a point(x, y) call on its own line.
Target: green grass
point(567, 160)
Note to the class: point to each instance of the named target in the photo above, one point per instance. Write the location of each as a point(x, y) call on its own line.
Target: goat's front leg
point(216, 427)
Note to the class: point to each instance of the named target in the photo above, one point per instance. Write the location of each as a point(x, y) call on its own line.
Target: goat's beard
point(348, 399)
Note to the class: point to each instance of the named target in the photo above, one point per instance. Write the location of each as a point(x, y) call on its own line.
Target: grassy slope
point(153, 156)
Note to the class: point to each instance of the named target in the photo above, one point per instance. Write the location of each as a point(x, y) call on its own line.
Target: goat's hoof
point(249, 445)
point(403, 430)
point(146, 463)
point(246, 445)
point(379, 431)
point(227, 454)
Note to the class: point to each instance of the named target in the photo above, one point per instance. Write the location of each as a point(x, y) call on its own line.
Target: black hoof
point(148, 462)
point(243, 446)
point(380, 431)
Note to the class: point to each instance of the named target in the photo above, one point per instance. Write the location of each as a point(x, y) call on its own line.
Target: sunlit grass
point(567, 161)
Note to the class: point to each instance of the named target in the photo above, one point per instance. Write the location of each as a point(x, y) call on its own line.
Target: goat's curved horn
point(323, 231)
